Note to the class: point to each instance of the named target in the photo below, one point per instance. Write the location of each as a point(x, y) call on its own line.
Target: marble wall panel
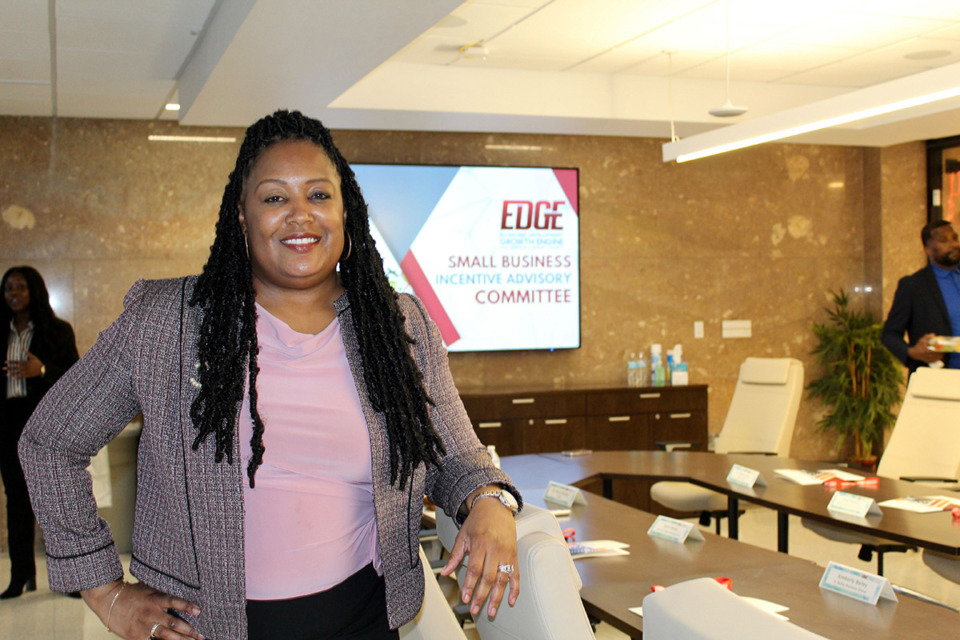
point(903, 188)
point(761, 234)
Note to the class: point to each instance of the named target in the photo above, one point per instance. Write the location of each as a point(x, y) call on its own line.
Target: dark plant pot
point(868, 464)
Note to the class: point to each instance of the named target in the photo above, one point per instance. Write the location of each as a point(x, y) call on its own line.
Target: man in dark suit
point(927, 303)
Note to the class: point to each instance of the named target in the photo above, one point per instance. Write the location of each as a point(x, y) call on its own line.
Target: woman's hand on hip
point(489, 536)
point(140, 612)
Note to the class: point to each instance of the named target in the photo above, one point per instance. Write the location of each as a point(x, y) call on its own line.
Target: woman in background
point(295, 412)
point(38, 348)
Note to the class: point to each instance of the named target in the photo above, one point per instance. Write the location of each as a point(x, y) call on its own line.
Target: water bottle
point(492, 450)
point(631, 369)
point(642, 379)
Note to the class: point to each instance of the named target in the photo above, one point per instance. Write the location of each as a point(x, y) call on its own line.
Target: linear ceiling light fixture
point(888, 97)
point(160, 138)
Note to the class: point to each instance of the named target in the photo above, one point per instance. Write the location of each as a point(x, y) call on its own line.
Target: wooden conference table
point(935, 531)
point(612, 585)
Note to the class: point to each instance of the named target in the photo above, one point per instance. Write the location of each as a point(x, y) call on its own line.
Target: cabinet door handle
point(489, 425)
point(522, 401)
point(649, 396)
point(618, 419)
point(555, 421)
point(679, 416)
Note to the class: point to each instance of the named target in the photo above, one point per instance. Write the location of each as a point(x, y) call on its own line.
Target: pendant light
point(727, 109)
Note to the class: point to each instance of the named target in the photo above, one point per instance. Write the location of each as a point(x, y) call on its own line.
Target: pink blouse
point(310, 522)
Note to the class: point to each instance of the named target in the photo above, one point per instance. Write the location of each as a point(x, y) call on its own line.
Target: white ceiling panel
point(623, 59)
point(130, 103)
point(860, 71)
point(475, 22)
point(155, 12)
point(121, 35)
point(24, 16)
point(25, 99)
point(24, 56)
point(678, 61)
point(77, 67)
point(861, 30)
point(947, 33)
point(379, 60)
point(934, 9)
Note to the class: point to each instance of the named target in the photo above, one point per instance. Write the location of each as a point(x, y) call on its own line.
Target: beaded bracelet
point(113, 602)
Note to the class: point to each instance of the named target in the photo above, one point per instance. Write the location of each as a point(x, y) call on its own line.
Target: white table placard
point(856, 584)
point(674, 530)
point(745, 476)
point(564, 494)
point(853, 505)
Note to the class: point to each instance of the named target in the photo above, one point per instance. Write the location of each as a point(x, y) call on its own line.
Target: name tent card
point(856, 584)
point(853, 505)
point(674, 530)
point(745, 476)
point(564, 494)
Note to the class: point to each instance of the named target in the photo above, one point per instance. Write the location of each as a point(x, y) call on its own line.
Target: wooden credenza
point(611, 419)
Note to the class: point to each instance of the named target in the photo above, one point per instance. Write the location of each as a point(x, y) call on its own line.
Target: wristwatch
point(505, 497)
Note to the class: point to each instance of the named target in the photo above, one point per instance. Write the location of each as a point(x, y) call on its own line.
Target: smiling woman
point(292, 355)
point(37, 349)
point(291, 213)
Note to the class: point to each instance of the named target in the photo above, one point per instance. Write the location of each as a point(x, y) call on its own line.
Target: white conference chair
point(946, 566)
point(761, 419)
point(702, 609)
point(924, 447)
point(436, 620)
point(549, 605)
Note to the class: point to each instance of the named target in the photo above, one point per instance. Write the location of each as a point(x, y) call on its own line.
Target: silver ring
point(505, 568)
point(154, 628)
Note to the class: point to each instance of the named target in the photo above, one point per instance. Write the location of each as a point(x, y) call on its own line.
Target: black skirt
point(355, 609)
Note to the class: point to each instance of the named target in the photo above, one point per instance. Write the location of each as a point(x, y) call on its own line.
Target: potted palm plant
point(861, 380)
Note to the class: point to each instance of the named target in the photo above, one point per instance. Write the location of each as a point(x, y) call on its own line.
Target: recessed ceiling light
point(928, 54)
point(172, 106)
point(838, 184)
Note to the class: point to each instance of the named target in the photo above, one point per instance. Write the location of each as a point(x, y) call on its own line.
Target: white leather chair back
point(435, 620)
point(926, 438)
point(763, 412)
point(549, 606)
point(702, 609)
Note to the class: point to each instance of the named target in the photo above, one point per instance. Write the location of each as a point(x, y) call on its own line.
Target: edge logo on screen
point(524, 214)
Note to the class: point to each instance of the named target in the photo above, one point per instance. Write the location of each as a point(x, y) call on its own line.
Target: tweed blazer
point(188, 531)
point(917, 309)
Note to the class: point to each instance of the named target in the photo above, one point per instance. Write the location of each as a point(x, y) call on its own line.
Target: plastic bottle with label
point(641, 378)
point(658, 372)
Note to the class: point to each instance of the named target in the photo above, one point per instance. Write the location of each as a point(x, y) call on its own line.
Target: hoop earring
point(349, 247)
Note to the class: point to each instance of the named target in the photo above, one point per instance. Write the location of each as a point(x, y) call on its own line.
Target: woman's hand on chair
point(489, 536)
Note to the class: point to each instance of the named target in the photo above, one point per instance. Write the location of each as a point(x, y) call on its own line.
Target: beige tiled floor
point(43, 615)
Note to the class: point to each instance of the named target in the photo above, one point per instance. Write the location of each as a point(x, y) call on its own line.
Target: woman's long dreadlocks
point(228, 338)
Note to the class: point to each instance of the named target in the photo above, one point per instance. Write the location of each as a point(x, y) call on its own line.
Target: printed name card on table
point(674, 530)
point(745, 476)
point(853, 505)
point(856, 584)
point(564, 494)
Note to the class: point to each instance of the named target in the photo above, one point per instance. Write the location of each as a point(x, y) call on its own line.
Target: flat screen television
point(493, 252)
